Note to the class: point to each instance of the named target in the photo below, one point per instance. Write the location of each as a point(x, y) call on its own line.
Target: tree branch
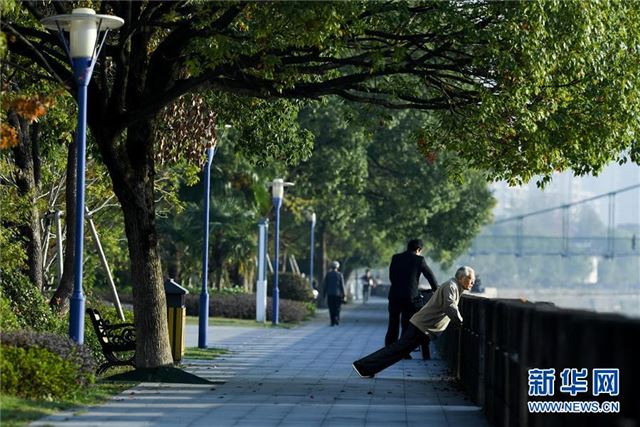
point(25, 48)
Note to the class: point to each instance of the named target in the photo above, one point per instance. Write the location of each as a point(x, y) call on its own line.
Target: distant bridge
point(520, 244)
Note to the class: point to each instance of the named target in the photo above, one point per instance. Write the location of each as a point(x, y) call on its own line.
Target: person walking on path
point(430, 321)
point(404, 273)
point(367, 283)
point(333, 288)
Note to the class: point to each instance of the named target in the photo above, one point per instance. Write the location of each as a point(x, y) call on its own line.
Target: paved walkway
point(293, 377)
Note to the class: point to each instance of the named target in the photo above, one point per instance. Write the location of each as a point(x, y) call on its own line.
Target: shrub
point(8, 319)
point(36, 373)
point(56, 344)
point(29, 305)
point(311, 307)
point(292, 287)
point(288, 311)
point(243, 306)
point(43, 365)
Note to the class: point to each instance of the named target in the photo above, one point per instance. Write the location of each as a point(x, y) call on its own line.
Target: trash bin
point(176, 315)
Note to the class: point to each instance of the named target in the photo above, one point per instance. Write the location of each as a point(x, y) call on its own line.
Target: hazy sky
point(572, 189)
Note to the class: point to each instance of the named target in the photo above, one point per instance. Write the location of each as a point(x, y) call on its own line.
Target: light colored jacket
point(441, 309)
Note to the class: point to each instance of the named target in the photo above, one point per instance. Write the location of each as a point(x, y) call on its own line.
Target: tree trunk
point(28, 179)
point(149, 300)
point(133, 184)
point(60, 299)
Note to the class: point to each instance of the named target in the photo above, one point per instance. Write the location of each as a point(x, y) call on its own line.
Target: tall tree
point(467, 60)
point(372, 191)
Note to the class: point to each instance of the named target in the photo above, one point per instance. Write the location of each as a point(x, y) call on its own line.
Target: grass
point(224, 321)
point(204, 353)
point(17, 412)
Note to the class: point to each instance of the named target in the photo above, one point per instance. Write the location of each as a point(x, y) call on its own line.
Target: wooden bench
point(115, 339)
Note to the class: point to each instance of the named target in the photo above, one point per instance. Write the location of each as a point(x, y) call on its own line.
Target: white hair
point(464, 271)
point(335, 265)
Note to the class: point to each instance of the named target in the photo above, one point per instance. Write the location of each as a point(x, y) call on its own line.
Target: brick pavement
point(293, 377)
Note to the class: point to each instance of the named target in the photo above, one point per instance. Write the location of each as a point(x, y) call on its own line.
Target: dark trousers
point(400, 311)
point(366, 291)
point(334, 303)
point(387, 356)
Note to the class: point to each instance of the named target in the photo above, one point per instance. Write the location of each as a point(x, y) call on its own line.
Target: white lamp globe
point(277, 188)
point(83, 34)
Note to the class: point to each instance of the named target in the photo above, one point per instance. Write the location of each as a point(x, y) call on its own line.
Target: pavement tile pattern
point(293, 377)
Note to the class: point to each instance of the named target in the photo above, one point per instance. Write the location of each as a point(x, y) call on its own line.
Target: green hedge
point(40, 365)
point(291, 286)
point(243, 306)
point(37, 373)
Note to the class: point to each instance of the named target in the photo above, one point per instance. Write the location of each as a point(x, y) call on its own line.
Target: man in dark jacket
point(334, 290)
point(404, 273)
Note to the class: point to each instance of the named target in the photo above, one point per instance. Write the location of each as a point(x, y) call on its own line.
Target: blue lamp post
point(312, 218)
point(87, 33)
point(203, 321)
point(277, 189)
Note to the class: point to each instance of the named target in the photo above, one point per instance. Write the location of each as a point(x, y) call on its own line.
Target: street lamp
point(312, 218)
point(203, 321)
point(87, 34)
point(277, 194)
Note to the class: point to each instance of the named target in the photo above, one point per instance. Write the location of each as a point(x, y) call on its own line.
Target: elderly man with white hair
point(430, 321)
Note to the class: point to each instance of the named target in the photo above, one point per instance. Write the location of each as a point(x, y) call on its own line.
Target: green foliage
point(8, 319)
point(560, 89)
point(43, 365)
point(517, 88)
point(37, 373)
point(451, 232)
point(51, 135)
point(239, 195)
point(311, 307)
point(204, 353)
point(243, 306)
point(292, 286)
point(12, 245)
point(263, 131)
point(29, 305)
point(514, 89)
point(377, 191)
point(229, 291)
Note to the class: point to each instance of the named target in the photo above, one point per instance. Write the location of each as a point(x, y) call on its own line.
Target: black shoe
point(407, 357)
point(359, 374)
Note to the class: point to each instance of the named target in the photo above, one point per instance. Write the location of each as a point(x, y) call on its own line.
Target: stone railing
point(501, 340)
